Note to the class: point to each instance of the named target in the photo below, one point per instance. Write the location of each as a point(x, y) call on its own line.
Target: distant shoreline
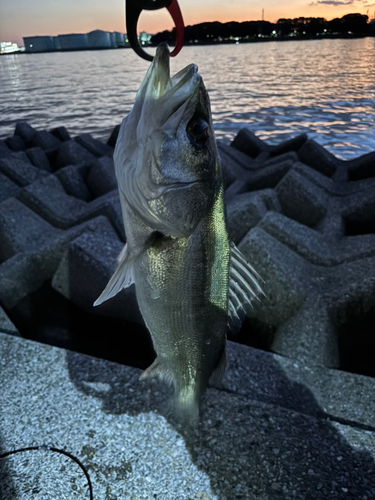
point(211, 42)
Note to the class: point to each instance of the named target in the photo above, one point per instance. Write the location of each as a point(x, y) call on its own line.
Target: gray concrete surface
point(262, 434)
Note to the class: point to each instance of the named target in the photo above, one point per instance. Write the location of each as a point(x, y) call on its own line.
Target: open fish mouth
point(161, 95)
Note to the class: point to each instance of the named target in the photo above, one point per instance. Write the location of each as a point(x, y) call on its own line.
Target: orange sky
point(43, 17)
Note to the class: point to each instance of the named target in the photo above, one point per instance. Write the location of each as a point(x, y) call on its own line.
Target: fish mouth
point(167, 93)
point(164, 83)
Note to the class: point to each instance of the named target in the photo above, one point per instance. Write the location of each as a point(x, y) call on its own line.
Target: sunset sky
point(20, 18)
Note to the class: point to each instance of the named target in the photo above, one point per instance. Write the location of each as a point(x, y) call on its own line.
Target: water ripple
point(325, 88)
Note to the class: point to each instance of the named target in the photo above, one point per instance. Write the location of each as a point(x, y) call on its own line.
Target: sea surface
point(277, 89)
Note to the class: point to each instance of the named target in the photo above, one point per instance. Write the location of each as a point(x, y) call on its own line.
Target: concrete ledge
point(263, 434)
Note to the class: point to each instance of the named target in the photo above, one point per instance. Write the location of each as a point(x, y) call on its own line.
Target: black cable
point(56, 450)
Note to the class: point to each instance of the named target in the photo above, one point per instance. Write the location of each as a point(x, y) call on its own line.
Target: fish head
point(166, 158)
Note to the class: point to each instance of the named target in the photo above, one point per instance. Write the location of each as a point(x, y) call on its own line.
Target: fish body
point(187, 273)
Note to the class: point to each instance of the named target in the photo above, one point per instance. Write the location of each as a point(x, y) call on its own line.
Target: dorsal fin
point(244, 283)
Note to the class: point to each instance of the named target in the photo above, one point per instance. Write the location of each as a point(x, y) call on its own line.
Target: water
point(278, 89)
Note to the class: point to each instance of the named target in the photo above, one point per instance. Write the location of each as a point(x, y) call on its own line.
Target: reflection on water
point(323, 87)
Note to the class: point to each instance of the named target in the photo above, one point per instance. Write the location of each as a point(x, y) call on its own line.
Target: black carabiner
point(133, 11)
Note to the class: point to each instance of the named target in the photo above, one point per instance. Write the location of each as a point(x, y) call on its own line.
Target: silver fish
point(189, 277)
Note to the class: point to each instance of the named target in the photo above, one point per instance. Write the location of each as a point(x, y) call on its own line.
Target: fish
point(190, 279)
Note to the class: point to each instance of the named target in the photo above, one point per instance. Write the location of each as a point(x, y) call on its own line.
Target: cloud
point(335, 3)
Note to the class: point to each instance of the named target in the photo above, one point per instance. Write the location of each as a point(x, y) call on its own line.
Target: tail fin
point(186, 404)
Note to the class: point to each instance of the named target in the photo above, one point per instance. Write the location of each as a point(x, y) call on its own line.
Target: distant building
point(74, 41)
point(113, 39)
point(144, 38)
point(56, 42)
point(8, 47)
point(38, 43)
point(120, 39)
point(99, 39)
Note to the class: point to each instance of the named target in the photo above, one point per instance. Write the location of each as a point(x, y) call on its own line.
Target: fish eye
point(197, 130)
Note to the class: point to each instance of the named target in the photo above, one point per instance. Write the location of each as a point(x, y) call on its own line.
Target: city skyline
point(21, 18)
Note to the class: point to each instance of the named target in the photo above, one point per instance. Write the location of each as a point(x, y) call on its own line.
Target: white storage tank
point(113, 39)
point(120, 39)
point(73, 41)
point(99, 39)
point(56, 43)
point(38, 43)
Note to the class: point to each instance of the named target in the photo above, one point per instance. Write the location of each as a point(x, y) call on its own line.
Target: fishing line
point(56, 450)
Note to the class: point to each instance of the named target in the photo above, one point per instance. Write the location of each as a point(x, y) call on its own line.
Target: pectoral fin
point(122, 278)
point(244, 284)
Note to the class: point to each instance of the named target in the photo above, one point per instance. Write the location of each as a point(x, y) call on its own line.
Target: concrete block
point(286, 277)
point(358, 213)
point(26, 132)
point(251, 145)
point(306, 242)
point(238, 187)
point(39, 159)
point(20, 228)
point(320, 180)
point(61, 134)
point(71, 153)
point(5, 152)
point(84, 272)
point(235, 160)
point(290, 383)
point(315, 156)
point(362, 167)
point(268, 176)
point(113, 137)
point(248, 143)
point(102, 178)
point(33, 253)
point(293, 144)
point(309, 336)
point(20, 171)
point(72, 178)
point(45, 140)
point(6, 326)
point(15, 143)
point(244, 211)
point(300, 199)
point(8, 188)
point(94, 146)
point(109, 205)
point(48, 199)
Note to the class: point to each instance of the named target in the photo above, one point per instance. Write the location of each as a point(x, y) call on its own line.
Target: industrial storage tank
point(73, 41)
point(120, 39)
point(113, 39)
point(56, 43)
point(99, 39)
point(38, 43)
